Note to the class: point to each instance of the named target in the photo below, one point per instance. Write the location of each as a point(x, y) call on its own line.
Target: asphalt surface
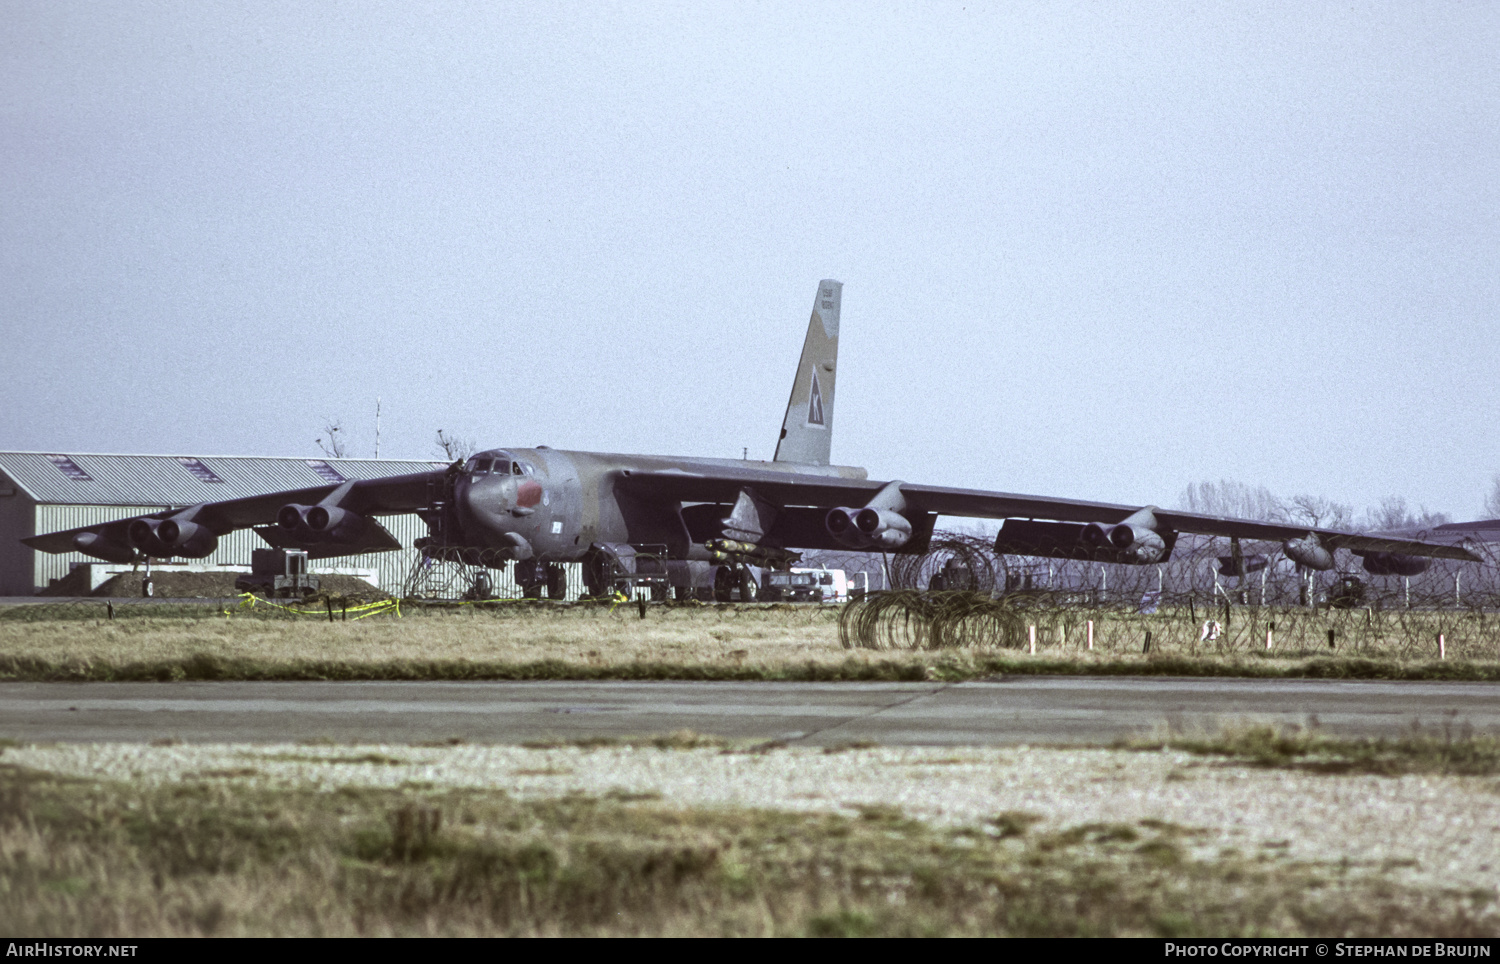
point(1031, 710)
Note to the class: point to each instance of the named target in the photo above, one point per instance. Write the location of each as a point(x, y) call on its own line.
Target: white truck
point(813, 585)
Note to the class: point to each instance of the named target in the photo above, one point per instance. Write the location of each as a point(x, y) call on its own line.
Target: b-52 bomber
point(701, 525)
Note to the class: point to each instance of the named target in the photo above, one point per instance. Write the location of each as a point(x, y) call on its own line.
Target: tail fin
point(807, 429)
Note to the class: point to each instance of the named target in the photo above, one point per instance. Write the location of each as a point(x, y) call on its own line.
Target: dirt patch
point(75, 583)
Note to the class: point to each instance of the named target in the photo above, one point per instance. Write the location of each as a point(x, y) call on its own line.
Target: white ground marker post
point(1442, 647)
point(1091, 635)
point(1268, 639)
point(1031, 636)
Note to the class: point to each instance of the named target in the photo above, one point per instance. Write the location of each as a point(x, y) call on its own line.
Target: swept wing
point(725, 485)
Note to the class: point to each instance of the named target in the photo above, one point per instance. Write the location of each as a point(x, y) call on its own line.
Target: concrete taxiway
point(1031, 710)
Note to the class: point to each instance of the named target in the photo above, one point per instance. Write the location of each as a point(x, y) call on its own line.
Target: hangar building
point(43, 492)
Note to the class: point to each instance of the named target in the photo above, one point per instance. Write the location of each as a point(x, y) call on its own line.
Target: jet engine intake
point(1132, 543)
point(1137, 544)
point(186, 539)
point(335, 524)
point(323, 524)
point(293, 518)
point(883, 528)
point(142, 534)
point(840, 524)
point(868, 528)
point(1308, 551)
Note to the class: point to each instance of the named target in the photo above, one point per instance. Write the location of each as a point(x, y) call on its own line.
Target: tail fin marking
point(807, 428)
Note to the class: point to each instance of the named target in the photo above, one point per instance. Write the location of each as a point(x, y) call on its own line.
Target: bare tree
point(1227, 497)
point(1492, 501)
point(1393, 513)
point(1316, 512)
point(333, 441)
point(455, 448)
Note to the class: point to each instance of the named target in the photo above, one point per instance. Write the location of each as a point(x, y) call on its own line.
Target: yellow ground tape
point(250, 601)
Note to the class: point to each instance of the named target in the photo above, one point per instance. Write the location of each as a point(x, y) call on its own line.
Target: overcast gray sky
point(1095, 250)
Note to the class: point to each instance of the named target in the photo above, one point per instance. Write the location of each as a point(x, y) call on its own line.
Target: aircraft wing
point(828, 492)
point(365, 497)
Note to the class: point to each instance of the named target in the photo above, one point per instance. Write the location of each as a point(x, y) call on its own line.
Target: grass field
point(79, 642)
point(225, 850)
point(217, 852)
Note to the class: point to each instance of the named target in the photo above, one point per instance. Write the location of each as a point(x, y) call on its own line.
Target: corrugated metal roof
point(173, 480)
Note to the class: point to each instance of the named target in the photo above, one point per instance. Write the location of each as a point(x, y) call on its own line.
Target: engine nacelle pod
point(1095, 536)
point(1309, 552)
point(334, 524)
point(1394, 564)
point(142, 535)
point(1125, 543)
point(322, 523)
point(1137, 544)
point(840, 524)
point(883, 528)
point(293, 518)
point(93, 544)
point(186, 539)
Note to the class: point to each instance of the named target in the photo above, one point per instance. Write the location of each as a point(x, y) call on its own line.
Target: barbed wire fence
point(962, 593)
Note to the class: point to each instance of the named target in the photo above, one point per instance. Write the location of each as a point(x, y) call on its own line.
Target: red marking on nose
point(529, 494)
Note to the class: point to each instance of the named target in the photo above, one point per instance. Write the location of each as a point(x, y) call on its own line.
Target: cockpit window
point(501, 466)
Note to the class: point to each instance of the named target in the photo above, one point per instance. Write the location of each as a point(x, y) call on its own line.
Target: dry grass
point(1455, 751)
point(693, 642)
point(211, 856)
point(585, 636)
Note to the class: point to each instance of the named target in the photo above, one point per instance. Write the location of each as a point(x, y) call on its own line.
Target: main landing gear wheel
point(749, 588)
point(557, 581)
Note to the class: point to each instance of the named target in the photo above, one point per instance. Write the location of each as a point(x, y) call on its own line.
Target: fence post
point(1031, 636)
point(1457, 598)
point(1091, 635)
point(1269, 631)
point(1330, 639)
point(1147, 649)
point(1442, 648)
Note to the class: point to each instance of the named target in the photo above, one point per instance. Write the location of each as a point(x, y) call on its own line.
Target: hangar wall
point(17, 515)
point(234, 549)
point(41, 492)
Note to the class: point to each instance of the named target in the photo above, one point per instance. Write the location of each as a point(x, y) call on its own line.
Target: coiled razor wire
point(962, 593)
point(912, 619)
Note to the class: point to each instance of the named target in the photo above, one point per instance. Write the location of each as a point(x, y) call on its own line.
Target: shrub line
point(947, 668)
